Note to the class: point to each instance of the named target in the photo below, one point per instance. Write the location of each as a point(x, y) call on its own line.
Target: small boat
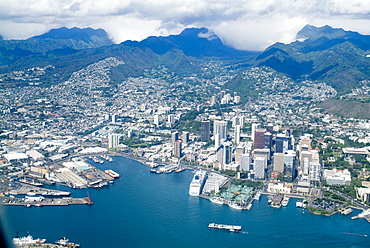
point(299, 204)
point(285, 201)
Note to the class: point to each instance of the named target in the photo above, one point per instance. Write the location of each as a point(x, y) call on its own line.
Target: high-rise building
point(268, 140)
point(205, 132)
point(177, 149)
point(113, 140)
point(278, 164)
point(185, 137)
point(156, 120)
point(239, 150)
point(174, 137)
point(237, 134)
point(114, 118)
point(283, 143)
point(224, 154)
point(259, 138)
point(220, 127)
point(262, 153)
point(259, 168)
point(245, 162)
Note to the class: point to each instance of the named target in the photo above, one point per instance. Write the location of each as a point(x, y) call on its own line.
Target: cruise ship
point(197, 183)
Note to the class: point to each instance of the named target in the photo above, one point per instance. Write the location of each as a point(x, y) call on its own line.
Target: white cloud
point(248, 24)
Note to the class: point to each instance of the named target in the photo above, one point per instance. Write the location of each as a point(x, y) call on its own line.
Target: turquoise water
point(142, 209)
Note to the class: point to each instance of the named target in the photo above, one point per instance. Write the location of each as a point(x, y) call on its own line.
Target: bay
point(142, 209)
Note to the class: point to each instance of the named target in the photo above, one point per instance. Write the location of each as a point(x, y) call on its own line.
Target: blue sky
point(243, 24)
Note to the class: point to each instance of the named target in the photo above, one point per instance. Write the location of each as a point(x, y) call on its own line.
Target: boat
point(217, 200)
point(235, 205)
point(112, 173)
point(27, 240)
point(276, 201)
point(30, 181)
point(285, 201)
point(97, 160)
point(65, 242)
point(230, 228)
point(249, 206)
point(299, 204)
point(106, 157)
point(153, 170)
point(197, 183)
point(257, 196)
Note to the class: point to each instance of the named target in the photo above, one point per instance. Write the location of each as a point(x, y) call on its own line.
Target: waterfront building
point(205, 130)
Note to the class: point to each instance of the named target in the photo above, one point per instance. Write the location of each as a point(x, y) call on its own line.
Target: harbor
point(132, 204)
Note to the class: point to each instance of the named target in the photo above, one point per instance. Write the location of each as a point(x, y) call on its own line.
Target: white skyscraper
point(156, 120)
point(220, 127)
point(237, 134)
point(113, 140)
point(259, 168)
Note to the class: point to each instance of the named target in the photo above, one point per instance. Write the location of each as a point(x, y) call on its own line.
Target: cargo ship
point(197, 183)
point(112, 173)
point(229, 228)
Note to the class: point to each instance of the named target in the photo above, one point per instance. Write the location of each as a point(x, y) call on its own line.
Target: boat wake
point(362, 235)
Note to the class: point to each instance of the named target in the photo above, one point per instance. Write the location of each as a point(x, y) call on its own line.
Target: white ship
point(285, 201)
point(27, 240)
point(197, 183)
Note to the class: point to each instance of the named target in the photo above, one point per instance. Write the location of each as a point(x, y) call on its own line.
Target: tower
point(205, 132)
point(177, 149)
point(220, 127)
point(259, 138)
point(113, 140)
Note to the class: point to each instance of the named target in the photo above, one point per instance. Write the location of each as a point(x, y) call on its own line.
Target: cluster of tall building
point(266, 152)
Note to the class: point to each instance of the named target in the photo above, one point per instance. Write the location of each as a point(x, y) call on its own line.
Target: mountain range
point(324, 54)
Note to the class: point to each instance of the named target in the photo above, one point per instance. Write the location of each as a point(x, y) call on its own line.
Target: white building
point(337, 177)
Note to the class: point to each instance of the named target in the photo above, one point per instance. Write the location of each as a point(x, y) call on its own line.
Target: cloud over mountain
point(249, 24)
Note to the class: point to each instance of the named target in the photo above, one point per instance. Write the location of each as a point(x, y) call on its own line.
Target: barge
point(229, 228)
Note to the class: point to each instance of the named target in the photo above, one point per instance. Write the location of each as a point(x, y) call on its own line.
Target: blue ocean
point(142, 209)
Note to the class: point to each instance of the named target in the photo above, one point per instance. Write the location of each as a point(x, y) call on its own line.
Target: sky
point(243, 24)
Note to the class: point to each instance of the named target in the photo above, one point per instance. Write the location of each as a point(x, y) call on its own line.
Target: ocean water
point(142, 209)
